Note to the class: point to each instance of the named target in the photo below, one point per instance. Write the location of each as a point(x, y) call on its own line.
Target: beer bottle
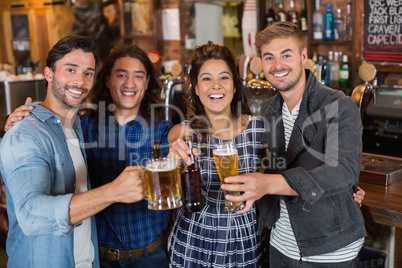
point(156, 153)
point(191, 182)
point(344, 72)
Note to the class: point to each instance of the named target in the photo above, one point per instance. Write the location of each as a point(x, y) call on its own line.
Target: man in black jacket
point(314, 140)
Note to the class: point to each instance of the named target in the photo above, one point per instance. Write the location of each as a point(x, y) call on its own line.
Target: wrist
point(107, 194)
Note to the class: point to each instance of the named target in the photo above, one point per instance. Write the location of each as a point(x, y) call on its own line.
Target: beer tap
point(243, 64)
point(256, 84)
point(169, 82)
point(367, 72)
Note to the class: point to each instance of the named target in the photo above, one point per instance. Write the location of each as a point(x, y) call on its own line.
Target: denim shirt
point(40, 181)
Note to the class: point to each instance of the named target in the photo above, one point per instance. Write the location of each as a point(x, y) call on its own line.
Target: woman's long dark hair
point(152, 95)
point(195, 109)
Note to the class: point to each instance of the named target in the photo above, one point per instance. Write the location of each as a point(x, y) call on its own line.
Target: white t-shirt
point(84, 253)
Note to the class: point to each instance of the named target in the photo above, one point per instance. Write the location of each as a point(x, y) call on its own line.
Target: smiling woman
point(215, 88)
point(217, 112)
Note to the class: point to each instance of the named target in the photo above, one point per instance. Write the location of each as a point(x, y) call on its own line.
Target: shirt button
point(58, 121)
point(74, 184)
point(314, 194)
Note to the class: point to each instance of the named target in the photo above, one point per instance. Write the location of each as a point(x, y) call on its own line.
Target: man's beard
point(59, 91)
point(291, 84)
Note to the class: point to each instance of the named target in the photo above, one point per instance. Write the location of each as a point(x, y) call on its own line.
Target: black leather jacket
point(322, 164)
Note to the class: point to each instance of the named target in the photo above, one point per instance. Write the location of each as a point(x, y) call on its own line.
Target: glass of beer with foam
point(162, 187)
point(227, 163)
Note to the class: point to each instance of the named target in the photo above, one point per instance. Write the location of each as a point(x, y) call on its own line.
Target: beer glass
point(162, 187)
point(227, 163)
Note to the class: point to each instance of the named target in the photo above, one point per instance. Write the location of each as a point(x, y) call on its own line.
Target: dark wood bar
point(383, 205)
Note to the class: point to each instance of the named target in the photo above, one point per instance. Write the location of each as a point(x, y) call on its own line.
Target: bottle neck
point(317, 4)
point(156, 151)
point(189, 143)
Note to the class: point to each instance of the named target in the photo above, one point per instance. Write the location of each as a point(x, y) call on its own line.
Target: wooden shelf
point(350, 50)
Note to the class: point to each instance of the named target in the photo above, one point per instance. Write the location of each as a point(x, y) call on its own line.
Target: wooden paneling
point(3, 51)
point(49, 20)
point(7, 37)
point(44, 48)
point(59, 20)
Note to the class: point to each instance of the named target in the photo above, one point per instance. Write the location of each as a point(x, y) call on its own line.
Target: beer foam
point(161, 167)
point(225, 152)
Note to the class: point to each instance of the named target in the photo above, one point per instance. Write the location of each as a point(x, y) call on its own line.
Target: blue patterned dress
point(213, 237)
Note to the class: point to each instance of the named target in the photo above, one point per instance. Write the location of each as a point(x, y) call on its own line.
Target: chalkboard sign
point(382, 36)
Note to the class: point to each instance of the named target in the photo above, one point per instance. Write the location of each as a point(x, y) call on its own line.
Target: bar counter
point(383, 205)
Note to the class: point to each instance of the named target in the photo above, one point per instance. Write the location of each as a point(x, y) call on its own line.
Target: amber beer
point(161, 179)
point(226, 161)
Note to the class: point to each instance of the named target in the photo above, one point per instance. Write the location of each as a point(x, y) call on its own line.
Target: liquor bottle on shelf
point(315, 59)
point(191, 182)
point(303, 17)
point(281, 14)
point(318, 68)
point(340, 57)
point(318, 22)
point(329, 24)
point(348, 23)
point(271, 13)
point(156, 153)
point(344, 71)
point(325, 71)
point(338, 26)
point(333, 69)
point(292, 14)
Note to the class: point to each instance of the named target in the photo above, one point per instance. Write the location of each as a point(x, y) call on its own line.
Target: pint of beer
point(161, 179)
point(227, 163)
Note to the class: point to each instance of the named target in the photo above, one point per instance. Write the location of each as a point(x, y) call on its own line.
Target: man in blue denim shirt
point(42, 161)
point(119, 132)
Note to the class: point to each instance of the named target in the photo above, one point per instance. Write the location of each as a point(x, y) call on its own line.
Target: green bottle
point(344, 72)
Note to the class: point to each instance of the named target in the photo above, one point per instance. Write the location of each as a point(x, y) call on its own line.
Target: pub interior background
point(169, 29)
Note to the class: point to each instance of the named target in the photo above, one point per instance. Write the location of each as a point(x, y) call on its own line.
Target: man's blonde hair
point(279, 30)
